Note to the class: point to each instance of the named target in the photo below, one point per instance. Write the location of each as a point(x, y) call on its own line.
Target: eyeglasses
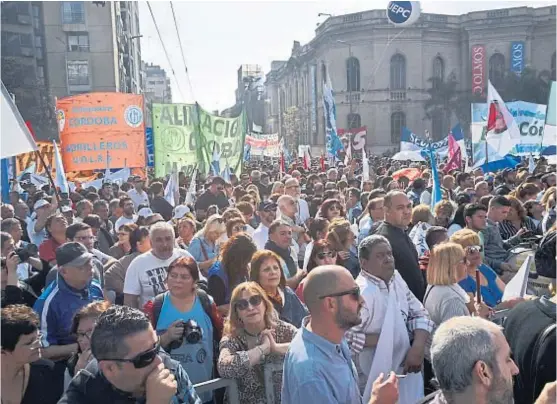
point(141, 360)
point(84, 334)
point(334, 207)
point(239, 228)
point(475, 249)
point(176, 276)
point(253, 301)
point(354, 292)
point(323, 255)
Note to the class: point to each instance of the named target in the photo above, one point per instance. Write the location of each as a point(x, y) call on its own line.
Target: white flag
point(348, 155)
point(190, 196)
point(172, 189)
point(60, 181)
point(365, 166)
point(517, 285)
point(502, 130)
point(14, 136)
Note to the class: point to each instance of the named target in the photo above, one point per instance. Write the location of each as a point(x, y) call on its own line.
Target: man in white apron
point(391, 317)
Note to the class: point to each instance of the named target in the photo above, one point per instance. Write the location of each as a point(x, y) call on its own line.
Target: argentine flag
point(215, 161)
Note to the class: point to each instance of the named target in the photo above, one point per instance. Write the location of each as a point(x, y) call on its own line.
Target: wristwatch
point(262, 354)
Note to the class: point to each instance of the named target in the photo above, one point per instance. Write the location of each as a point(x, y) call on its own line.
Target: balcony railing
point(398, 95)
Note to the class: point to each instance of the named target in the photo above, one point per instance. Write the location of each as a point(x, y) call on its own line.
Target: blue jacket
point(57, 306)
point(293, 310)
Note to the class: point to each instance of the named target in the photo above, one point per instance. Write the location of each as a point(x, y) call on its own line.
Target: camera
point(24, 253)
point(192, 333)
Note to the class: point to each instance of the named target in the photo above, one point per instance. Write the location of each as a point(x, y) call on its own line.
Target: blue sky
point(219, 36)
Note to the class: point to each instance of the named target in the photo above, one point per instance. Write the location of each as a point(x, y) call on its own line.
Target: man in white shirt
point(390, 312)
point(292, 188)
point(146, 275)
point(36, 222)
point(267, 213)
point(128, 216)
point(83, 209)
point(138, 195)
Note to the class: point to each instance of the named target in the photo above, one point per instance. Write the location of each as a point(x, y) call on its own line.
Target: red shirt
point(47, 250)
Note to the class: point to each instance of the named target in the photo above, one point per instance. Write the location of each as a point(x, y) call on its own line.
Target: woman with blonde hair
point(278, 188)
point(491, 286)
point(203, 246)
point(443, 213)
point(254, 191)
point(341, 240)
point(422, 220)
point(253, 337)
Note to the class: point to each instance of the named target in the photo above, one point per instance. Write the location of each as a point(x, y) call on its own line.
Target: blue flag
point(215, 161)
point(436, 190)
point(334, 145)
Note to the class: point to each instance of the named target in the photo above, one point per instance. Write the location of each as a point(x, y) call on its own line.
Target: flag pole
point(49, 175)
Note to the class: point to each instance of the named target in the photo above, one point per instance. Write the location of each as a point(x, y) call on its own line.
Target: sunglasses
point(323, 255)
point(239, 228)
point(354, 292)
point(141, 360)
point(334, 207)
point(475, 249)
point(254, 301)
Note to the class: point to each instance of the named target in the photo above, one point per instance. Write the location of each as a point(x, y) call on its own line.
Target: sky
point(219, 36)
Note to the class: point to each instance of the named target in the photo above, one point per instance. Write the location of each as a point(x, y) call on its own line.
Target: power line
point(165, 51)
point(182, 51)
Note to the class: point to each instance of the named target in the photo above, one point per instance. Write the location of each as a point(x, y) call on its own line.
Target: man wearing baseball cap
point(42, 209)
point(267, 212)
point(72, 289)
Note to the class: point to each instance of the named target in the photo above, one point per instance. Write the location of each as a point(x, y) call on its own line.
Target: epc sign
point(403, 13)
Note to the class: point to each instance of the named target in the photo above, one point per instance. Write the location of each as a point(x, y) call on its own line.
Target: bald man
point(318, 367)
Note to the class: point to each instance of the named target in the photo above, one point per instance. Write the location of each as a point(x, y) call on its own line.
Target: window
point(398, 121)
point(40, 74)
point(354, 121)
point(73, 12)
point(26, 40)
point(78, 42)
point(78, 72)
point(438, 126)
point(352, 74)
point(438, 71)
point(496, 68)
point(398, 72)
point(38, 42)
point(324, 72)
point(36, 17)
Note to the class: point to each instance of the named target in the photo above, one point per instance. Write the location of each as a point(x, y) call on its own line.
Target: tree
point(529, 86)
point(292, 128)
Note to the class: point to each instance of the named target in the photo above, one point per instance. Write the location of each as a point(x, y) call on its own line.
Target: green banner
point(185, 135)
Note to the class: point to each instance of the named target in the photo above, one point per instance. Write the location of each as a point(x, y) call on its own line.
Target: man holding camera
point(27, 253)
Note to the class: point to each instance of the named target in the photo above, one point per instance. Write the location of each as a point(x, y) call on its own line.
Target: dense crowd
point(319, 285)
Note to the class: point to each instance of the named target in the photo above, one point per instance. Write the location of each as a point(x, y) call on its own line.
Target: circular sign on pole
point(403, 13)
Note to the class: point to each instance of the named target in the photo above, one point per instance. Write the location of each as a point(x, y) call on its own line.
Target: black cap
point(218, 181)
point(265, 205)
point(72, 254)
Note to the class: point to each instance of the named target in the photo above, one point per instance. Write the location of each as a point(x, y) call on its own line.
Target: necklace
point(252, 335)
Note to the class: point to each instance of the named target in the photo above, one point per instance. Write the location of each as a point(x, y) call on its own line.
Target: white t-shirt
point(35, 238)
point(146, 275)
point(138, 198)
point(303, 211)
point(260, 236)
point(122, 220)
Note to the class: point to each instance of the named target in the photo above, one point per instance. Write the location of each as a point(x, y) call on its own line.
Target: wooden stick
point(478, 287)
point(49, 175)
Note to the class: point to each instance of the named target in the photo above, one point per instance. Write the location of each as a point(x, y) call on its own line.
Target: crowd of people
point(312, 286)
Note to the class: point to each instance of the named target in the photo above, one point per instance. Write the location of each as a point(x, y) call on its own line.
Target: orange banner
point(97, 127)
point(26, 160)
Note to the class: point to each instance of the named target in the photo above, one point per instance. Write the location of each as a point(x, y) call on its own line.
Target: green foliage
point(292, 126)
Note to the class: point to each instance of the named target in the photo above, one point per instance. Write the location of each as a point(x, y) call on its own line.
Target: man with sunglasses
point(267, 213)
point(390, 312)
point(318, 367)
point(129, 366)
point(213, 195)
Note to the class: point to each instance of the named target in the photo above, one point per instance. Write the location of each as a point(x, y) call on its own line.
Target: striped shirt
point(508, 230)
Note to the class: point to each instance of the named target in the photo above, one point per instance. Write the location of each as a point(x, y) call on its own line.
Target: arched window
point(352, 74)
point(354, 121)
point(496, 68)
point(323, 72)
point(398, 121)
point(438, 127)
point(438, 71)
point(398, 72)
point(553, 66)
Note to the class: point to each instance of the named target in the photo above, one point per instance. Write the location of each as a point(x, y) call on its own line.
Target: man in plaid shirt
point(409, 331)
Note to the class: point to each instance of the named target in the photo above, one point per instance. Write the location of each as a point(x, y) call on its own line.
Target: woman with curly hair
point(331, 209)
point(231, 269)
point(253, 337)
point(341, 239)
point(266, 270)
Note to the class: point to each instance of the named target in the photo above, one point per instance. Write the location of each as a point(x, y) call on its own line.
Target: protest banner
point(149, 146)
point(30, 160)
point(357, 138)
point(95, 127)
point(263, 145)
point(185, 136)
point(530, 119)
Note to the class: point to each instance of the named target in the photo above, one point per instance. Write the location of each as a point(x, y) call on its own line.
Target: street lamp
point(324, 14)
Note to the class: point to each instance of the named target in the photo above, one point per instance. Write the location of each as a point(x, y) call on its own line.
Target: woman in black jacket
point(15, 291)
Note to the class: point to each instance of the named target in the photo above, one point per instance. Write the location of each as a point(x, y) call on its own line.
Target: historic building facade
point(381, 73)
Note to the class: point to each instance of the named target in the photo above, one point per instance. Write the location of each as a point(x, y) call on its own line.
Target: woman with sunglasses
point(266, 270)
point(331, 209)
point(25, 378)
point(253, 337)
point(187, 320)
point(203, 246)
point(82, 327)
point(235, 225)
point(231, 269)
point(492, 286)
point(321, 254)
point(341, 239)
point(122, 247)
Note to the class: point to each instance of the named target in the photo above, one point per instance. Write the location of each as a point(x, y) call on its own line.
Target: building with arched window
point(383, 84)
